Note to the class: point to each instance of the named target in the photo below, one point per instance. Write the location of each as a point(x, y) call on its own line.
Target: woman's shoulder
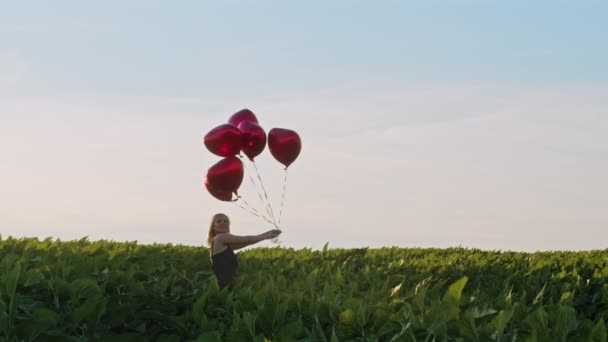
point(221, 236)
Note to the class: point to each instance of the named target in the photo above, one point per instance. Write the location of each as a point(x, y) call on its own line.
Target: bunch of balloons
point(243, 133)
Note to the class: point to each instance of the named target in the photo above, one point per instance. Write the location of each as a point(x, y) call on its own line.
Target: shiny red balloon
point(285, 145)
point(224, 140)
point(253, 139)
point(219, 194)
point(242, 115)
point(225, 176)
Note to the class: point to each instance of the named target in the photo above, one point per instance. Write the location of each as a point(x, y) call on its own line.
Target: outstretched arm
point(235, 246)
point(240, 241)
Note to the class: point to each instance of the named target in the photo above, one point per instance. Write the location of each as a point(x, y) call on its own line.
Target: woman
point(223, 244)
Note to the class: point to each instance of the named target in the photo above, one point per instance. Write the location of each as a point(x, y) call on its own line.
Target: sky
point(479, 124)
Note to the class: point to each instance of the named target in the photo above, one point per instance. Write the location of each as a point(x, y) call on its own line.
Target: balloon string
point(265, 195)
point(251, 210)
point(258, 192)
point(283, 196)
point(255, 213)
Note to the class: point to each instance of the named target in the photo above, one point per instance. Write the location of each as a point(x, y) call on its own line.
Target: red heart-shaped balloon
point(224, 140)
point(225, 176)
point(285, 145)
point(253, 139)
point(242, 115)
point(219, 194)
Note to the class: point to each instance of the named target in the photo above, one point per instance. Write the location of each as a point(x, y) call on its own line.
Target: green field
point(87, 291)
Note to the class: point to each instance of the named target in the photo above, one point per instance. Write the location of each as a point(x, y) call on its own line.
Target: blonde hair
point(211, 234)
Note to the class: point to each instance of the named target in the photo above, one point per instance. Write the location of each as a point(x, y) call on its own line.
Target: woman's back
point(225, 264)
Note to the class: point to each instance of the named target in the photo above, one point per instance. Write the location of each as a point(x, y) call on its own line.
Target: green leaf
point(280, 312)
point(237, 330)
point(347, 317)
point(91, 311)
point(440, 313)
point(44, 318)
point(4, 323)
point(339, 277)
point(260, 297)
point(334, 338)
point(483, 313)
point(198, 309)
point(290, 331)
point(8, 261)
point(539, 322)
point(129, 337)
point(210, 336)
point(249, 321)
point(168, 338)
point(567, 298)
point(11, 280)
point(420, 294)
point(598, 334)
point(467, 327)
point(501, 320)
point(84, 288)
point(454, 292)
point(540, 295)
point(566, 321)
point(32, 277)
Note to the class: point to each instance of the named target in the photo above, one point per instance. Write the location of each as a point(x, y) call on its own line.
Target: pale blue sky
point(226, 47)
point(429, 123)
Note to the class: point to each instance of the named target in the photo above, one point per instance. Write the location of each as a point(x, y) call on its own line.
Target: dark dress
point(225, 266)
